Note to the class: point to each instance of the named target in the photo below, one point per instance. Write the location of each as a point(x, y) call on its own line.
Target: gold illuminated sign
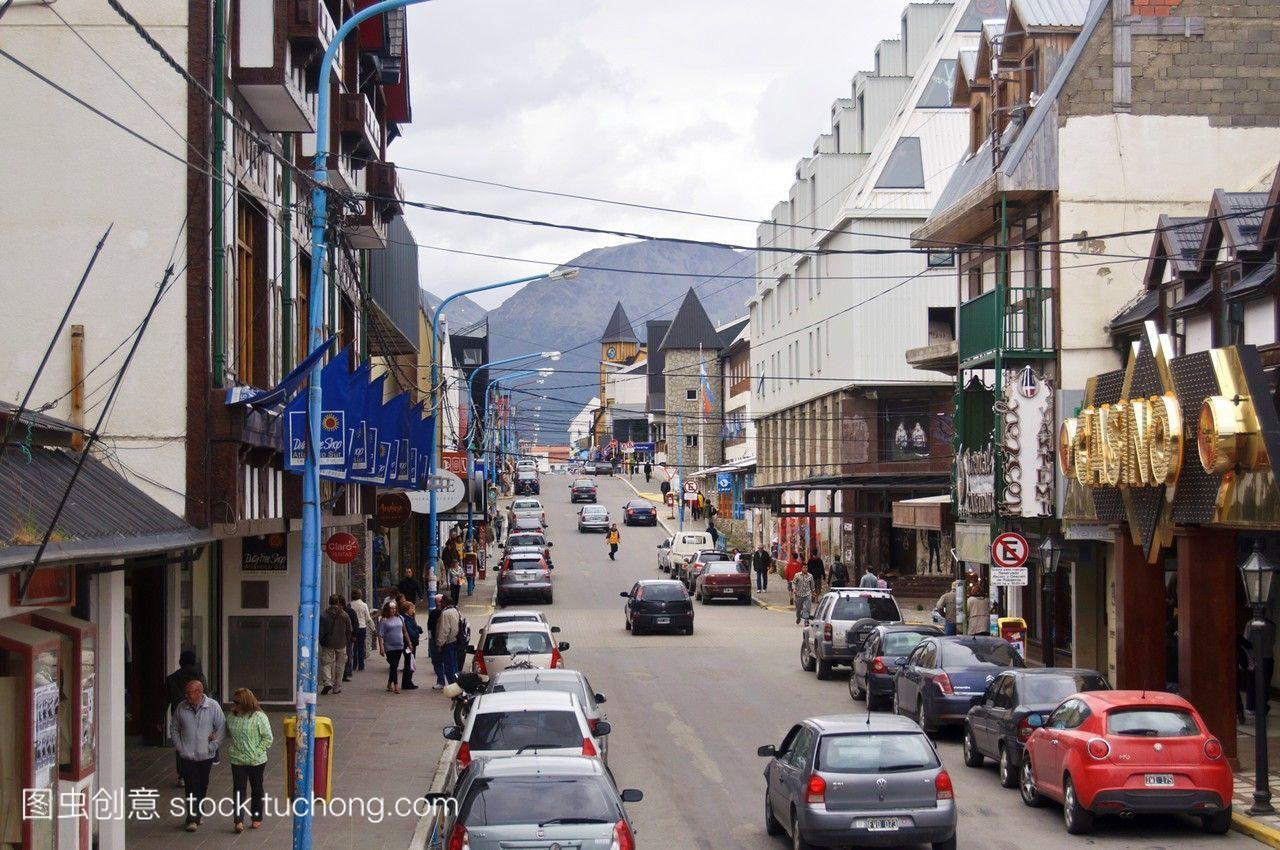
point(1132, 443)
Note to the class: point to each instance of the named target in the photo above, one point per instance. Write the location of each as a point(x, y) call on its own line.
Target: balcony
point(366, 229)
point(343, 176)
point(311, 27)
point(358, 123)
point(384, 184)
point(268, 74)
point(1027, 330)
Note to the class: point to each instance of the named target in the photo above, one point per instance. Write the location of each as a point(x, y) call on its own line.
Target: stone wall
point(682, 374)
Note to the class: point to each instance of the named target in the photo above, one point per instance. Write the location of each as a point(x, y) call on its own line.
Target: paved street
point(689, 712)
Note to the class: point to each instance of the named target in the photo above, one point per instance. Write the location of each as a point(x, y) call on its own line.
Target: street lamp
point(1050, 555)
point(1256, 572)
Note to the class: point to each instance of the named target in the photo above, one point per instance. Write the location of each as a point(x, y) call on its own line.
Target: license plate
point(882, 824)
point(729, 592)
point(662, 621)
point(1159, 780)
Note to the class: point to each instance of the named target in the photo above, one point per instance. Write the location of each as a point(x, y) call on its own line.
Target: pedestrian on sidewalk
point(817, 569)
point(446, 638)
point(761, 562)
point(196, 728)
point(335, 634)
point(648, 471)
point(410, 586)
point(469, 561)
point(414, 634)
point(176, 686)
point(715, 535)
point(348, 666)
point(977, 614)
point(947, 608)
point(793, 569)
point(613, 538)
point(869, 579)
point(433, 620)
point(364, 625)
point(457, 577)
point(839, 573)
point(804, 590)
point(392, 639)
point(249, 736)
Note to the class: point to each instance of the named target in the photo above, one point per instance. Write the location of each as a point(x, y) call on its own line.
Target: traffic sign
point(1009, 550)
point(724, 482)
point(690, 491)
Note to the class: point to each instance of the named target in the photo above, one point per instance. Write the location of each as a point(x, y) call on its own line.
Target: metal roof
point(1254, 282)
point(1242, 217)
point(1138, 311)
point(1182, 236)
point(691, 328)
point(1051, 13)
point(1192, 299)
point(619, 328)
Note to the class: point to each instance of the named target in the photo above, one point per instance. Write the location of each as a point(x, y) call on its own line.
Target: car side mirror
point(625, 595)
point(1035, 721)
point(600, 698)
point(631, 795)
point(767, 751)
point(603, 728)
point(453, 733)
point(564, 645)
point(550, 544)
point(555, 630)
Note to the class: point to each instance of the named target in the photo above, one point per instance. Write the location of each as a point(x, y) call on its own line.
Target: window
point(905, 167)
point(691, 441)
point(1152, 723)
point(937, 92)
point(472, 356)
point(875, 753)
point(302, 344)
point(250, 362)
point(521, 800)
point(798, 757)
point(511, 730)
point(1042, 689)
point(982, 652)
point(851, 607)
point(690, 395)
point(818, 333)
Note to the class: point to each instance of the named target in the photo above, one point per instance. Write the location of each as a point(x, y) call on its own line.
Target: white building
point(580, 425)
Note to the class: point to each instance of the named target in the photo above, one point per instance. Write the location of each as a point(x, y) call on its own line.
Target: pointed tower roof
point(691, 327)
point(619, 327)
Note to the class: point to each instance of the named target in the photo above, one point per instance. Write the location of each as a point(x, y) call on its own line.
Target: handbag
point(411, 663)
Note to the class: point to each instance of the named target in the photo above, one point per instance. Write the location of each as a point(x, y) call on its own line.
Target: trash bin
point(322, 749)
point(1014, 630)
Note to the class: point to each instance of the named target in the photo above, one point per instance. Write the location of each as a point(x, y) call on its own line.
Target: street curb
point(1256, 830)
point(422, 832)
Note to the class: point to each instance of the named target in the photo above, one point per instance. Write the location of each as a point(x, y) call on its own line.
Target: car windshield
point(592, 510)
point(694, 539)
point(509, 643)
point(900, 643)
point(1053, 689)
point(640, 506)
point(708, 557)
point(526, 505)
point(875, 752)
point(722, 568)
point(538, 799)
point(513, 618)
point(1152, 722)
point(850, 607)
point(664, 592)
point(996, 652)
point(534, 683)
point(511, 730)
point(526, 540)
point(528, 522)
point(583, 482)
point(522, 561)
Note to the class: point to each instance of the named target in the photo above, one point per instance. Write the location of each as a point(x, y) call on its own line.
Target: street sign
point(1009, 550)
point(342, 547)
point(690, 491)
point(724, 483)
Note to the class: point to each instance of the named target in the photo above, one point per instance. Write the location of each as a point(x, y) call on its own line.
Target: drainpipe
point(218, 264)
point(1001, 295)
point(286, 258)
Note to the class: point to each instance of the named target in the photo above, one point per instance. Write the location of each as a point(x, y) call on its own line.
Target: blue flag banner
point(295, 434)
point(393, 462)
point(383, 458)
point(357, 424)
point(335, 384)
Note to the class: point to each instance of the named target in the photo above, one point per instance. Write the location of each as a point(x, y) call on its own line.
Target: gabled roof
point(1240, 215)
point(619, 328)
point(1138, 311)
point(691, 328)
point(1176, 242)
point(1050, 14)
point(730, 330)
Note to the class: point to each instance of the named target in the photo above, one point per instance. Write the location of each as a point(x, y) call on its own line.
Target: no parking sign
point(1009, 553)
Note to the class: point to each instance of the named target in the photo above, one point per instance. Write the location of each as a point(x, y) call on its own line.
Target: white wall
point(283, 591)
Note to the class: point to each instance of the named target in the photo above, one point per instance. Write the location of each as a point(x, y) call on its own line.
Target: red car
point(1127, 752)
point(722, 580)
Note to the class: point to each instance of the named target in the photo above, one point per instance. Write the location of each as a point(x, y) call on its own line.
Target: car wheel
point(856, 691)
point(806, 658)
point(626, 624)
point(921, 717)
point(1217, 823)
point(771, 825)
point(635, 629)
point(689, 630)
point(824, 669)
point(1008, 771)
point(1027, 785)
point(946, 843)
point(798, 841)
point(1078, 819)
point(972, 758)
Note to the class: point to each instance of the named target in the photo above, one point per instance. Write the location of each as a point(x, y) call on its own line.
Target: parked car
point(868, 780)
point(526, 463)
point(549, 723)
point(527, 482)
point(1117, 752)
point(882, 653)
point(506, 643)
point(599, 467)
point(582, 490)
point(569, 681)
point(536, 801)
point(511, 615)
point(656, 604)
point(825, 642)
point(639, 512)
point(999, 725)
point(526, 523)
point(524, 575)
point(518, 540)
point(522, 508)
point(723, 580)
point(689, 570)
point(593, 518)
point(683, 546)
point(943, 675)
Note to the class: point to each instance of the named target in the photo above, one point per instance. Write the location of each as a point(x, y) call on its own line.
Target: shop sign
point(342, 547)
point(393, 510)
point(1026, 415)
point(455, 462)
point(265, 553)
point(1089, 531)
point(449, 492)
point(973, 542)
point(976, 482)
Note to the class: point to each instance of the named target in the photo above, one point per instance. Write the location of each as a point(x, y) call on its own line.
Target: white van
point(684, 545)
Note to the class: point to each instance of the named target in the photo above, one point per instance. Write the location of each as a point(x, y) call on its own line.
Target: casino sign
point(1127, 453)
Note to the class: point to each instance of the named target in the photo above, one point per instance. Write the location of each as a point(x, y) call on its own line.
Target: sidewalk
point(1264, 828)
point(385, 749)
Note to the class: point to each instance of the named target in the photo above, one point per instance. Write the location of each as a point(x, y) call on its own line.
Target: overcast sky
point(699, 104)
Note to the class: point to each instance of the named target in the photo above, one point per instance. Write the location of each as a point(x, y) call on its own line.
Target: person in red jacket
point(794, 565)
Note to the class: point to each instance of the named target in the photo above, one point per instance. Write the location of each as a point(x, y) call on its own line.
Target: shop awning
point(737, 466)
point(931, 513)
point(770, 494)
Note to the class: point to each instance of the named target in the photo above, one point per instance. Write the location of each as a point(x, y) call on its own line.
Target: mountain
point(461, 312)
point(650, 280)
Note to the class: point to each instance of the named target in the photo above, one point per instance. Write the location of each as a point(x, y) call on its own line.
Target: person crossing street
point(613, 538)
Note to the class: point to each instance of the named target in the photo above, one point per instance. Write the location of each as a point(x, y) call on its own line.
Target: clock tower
point(619, 347)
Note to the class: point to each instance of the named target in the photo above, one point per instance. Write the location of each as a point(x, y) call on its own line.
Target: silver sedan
point(593, 518)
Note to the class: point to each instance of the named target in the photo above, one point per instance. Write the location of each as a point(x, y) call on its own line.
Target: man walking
point(335, 634)
point(348, 666)
point(947, 608)
point(410, 586)
point(446, 639)
point(839, 573)
point(648, 471)
point(869, 579)
point(364, 625)
point(977, 614)
point(817, 569)
point(760, 562)
point(613, 538)
point(802, 585)
point(196, 727)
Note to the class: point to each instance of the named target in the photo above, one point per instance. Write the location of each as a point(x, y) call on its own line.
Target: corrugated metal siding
point(1051, 13)
point(393, 280)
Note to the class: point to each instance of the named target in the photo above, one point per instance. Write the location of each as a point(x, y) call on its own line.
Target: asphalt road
point(689, 712)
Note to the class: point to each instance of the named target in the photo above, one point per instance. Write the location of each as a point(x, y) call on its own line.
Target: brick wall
point(1231, 74)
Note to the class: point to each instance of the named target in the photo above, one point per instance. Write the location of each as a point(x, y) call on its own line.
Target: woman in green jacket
point(249, 736)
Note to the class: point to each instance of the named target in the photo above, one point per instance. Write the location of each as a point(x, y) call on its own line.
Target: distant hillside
point(460, 313)
point(570, 315)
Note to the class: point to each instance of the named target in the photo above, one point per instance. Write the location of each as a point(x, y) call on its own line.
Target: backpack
point(464, 633)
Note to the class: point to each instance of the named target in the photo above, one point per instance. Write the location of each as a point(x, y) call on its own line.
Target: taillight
point(464, 755)
point(630, 511)
point(943, 681)
point(1024, 729)
point(477, 664)
point(592, 723)
point(556, 660)
point(1098, 748)
point(877, 665)
point(826, 632)
point(622, 837)
point(589, 747)
point(1213, 749)
point(816, 789)
point(458, 839)
point(942, 786)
